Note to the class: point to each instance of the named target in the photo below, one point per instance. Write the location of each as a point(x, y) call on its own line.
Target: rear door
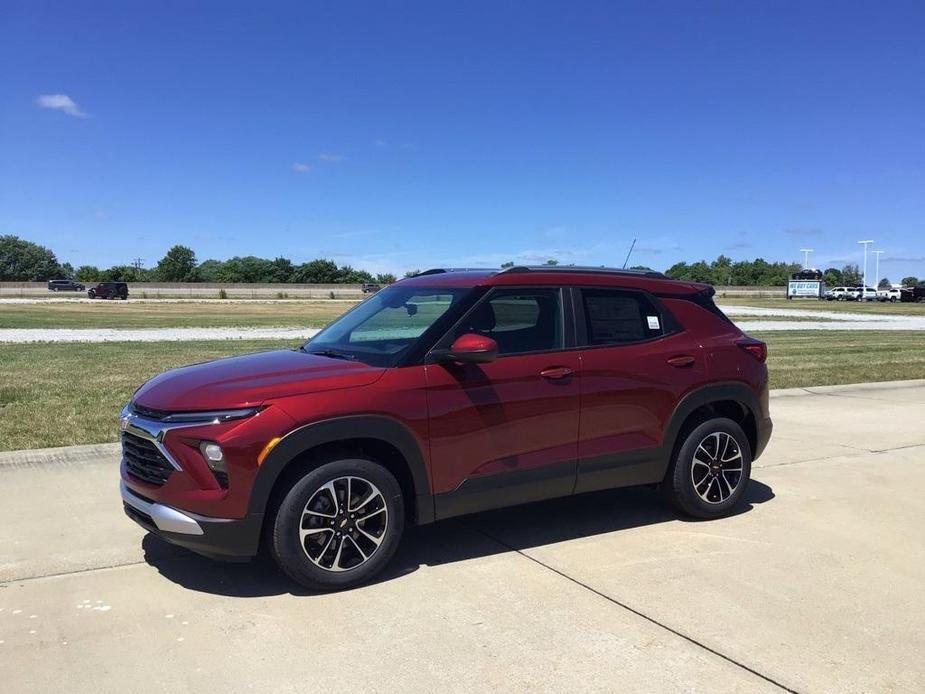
point(636, 363)
point(506, 432)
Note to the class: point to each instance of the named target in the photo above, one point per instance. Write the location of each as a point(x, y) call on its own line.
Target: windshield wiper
point(331, 353)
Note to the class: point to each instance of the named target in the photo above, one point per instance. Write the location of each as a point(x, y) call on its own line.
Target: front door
point(506, 432)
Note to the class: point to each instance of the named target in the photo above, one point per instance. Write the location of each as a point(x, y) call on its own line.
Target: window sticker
point(653, 323)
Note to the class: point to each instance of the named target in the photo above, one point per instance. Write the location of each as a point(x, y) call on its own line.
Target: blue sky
point(398, 135)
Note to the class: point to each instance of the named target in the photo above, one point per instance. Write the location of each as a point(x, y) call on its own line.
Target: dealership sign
point(813, 288)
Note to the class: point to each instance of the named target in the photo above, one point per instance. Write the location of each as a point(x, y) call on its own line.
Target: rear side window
point(705, 301)
point(614, 317)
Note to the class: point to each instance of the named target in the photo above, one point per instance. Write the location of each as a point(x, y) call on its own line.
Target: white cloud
point(299, 167)
point(381, 143)
point(61, 102)
point(331, 157)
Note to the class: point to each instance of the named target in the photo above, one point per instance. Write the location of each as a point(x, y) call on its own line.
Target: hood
point(250, 380)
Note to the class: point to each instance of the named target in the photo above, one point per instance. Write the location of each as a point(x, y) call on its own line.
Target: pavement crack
point(628, 608)
point(89, 569)
point(826, 459)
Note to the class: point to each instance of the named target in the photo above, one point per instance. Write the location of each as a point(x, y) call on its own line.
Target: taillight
point(756, 348)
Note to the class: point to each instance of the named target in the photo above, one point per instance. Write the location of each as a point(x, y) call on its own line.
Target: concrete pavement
point(818, 584)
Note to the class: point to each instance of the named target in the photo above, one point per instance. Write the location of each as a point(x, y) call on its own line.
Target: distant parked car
point(109, 290)
point(65, 286)
point(837, 294)
point(861, 294)
point(892, 295)
point(370, 287)
point(916, 294)
point(807, 274)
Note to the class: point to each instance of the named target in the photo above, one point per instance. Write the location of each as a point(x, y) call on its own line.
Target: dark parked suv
point(444, 394)
point(109, 290)
point(64, 286)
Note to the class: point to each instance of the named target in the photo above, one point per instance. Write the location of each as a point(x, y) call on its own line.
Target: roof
point(568, 275)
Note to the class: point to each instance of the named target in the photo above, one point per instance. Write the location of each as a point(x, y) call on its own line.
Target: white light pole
point(865, 244)
point(806, 252)
point(877, 271)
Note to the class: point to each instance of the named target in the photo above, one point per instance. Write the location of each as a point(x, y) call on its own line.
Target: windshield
point(382, 328)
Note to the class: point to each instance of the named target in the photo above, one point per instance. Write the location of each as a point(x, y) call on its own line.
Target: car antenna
point(632, 246)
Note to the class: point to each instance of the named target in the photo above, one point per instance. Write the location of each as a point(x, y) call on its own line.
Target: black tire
point(292, 556)
point(679, 484)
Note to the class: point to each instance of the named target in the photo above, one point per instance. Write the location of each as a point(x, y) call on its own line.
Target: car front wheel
point(339, 525)
point(711, 470)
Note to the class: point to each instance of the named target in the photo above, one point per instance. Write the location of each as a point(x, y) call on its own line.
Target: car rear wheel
point(339, 525)
point(711, 470)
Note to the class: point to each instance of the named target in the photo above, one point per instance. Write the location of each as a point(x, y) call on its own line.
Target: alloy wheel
point(716, 471)
point(343, 524)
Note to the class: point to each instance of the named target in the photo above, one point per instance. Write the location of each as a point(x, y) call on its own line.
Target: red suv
point(448, 393)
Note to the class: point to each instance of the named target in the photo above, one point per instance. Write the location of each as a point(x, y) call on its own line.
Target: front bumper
point(218, 538)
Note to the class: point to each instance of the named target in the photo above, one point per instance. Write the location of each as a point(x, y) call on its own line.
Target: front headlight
point(199, 417)
point(214, 416)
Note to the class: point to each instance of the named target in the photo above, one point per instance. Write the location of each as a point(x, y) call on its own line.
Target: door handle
point(556, 372)
point(681, 361)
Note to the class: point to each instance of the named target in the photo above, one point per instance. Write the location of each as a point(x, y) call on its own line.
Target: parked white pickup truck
point(888, 295)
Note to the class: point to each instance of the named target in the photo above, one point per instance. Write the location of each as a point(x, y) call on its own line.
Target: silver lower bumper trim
point(165, 518)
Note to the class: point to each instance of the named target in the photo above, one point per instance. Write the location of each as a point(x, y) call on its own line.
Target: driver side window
point(519, 320)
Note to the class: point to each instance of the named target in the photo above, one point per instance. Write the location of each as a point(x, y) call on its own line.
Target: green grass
point(799, 358)
point(60, 394)
point(169, 315)
point(899, 308)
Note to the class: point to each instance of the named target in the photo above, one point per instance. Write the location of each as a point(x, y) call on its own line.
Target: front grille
point(144, 461)
point(148, 413)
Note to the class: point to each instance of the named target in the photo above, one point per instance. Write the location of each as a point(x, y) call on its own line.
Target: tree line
point(761, 273)
point(24, 261)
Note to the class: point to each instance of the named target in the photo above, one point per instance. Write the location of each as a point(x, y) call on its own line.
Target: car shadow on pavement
point(492, 532)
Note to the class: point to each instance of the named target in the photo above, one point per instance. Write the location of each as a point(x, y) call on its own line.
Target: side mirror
point(471, 349)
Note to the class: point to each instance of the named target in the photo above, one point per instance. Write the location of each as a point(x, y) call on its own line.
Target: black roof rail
point(441, 270)
point(583, 268)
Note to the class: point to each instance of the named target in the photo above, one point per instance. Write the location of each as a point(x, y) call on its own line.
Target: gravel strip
point(836, 320)
point(814, 313)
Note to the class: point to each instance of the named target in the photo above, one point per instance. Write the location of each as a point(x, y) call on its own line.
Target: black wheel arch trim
point(335, 430)
point(703, 396)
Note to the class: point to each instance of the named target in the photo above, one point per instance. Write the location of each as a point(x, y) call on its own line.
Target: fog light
point(215, 459)
point(213, 454)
